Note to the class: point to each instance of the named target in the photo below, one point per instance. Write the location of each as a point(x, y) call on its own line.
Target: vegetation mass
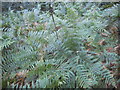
point(60, 45)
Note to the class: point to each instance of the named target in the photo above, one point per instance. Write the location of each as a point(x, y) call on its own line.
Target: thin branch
point(51, 13)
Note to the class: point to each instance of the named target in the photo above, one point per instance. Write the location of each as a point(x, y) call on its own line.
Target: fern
point(73, 59)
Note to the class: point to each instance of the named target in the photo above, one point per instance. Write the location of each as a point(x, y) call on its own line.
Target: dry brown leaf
point(102, 42)
point(35, 23)
point(21, 74)
point(57, 28)
point(104, 34)
point(114, 30)
point(110, 49)
point(117, 49)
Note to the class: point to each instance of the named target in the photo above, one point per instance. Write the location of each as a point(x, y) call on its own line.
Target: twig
point(51, 13)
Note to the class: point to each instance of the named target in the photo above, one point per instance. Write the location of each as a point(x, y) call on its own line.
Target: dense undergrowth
point(74, 47)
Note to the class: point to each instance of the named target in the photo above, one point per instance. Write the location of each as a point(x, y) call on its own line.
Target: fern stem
point(51, 13)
